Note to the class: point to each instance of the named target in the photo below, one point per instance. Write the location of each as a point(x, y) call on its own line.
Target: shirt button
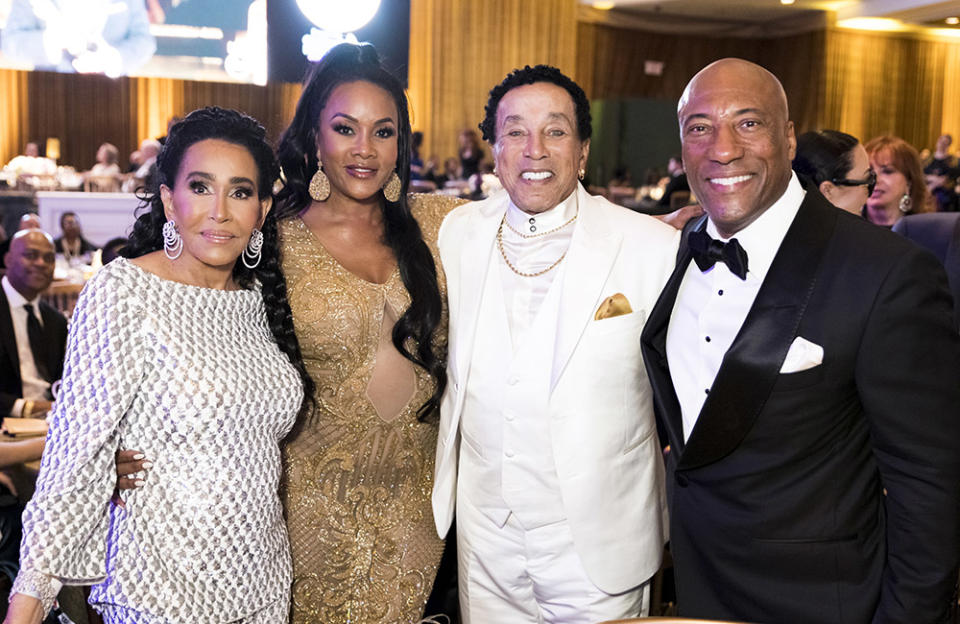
point(513, 381)
point(720, 292)
point(707, 338)
point(509, 417)
point(707, 391)
point(509, 454)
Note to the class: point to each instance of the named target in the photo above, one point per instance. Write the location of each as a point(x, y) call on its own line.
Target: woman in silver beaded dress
point(187, 354)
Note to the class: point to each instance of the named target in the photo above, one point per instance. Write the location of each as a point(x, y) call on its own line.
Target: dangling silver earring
point(253, 249)
point(906, 202)
point(172, 243)
point(391, 190)
point(319, 184)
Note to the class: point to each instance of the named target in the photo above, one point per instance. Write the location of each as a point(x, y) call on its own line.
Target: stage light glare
point(882, 24)
point(337, 15)
point(603, 5)
point(787, 1)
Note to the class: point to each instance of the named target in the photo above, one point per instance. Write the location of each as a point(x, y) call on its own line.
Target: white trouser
point(517, 576)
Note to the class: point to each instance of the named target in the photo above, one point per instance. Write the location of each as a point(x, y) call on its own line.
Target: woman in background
point(838, 164)
point(361, 267)
point(187, 354)
point(901, 188)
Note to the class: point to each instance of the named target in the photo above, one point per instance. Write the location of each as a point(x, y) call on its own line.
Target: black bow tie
point(707, 252)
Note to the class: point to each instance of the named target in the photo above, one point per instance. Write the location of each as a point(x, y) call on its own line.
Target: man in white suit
point(547, 447)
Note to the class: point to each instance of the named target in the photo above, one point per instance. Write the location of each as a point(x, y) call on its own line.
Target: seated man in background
point(33, 335)
point(72, 244)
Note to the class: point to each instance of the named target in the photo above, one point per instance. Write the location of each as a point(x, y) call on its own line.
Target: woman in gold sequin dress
point(361, 267)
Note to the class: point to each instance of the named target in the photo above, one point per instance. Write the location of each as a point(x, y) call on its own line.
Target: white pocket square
point(803, 355)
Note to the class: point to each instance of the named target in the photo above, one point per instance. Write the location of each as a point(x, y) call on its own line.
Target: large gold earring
point(392, 188)
point(319, 184)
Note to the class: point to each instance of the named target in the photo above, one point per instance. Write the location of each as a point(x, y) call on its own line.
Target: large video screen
point(217, 40)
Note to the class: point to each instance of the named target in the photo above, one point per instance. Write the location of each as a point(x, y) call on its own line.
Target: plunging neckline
point(317, 243)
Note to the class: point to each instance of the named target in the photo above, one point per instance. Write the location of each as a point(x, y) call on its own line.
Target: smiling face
point(357, 140)
point(537, 150)
point(737, 142)
point(30, 262)
point(214, 202)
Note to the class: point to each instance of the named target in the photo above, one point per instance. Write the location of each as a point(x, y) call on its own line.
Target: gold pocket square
point(614, 305)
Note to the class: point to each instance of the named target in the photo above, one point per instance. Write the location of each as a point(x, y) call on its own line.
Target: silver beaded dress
point(193, 378)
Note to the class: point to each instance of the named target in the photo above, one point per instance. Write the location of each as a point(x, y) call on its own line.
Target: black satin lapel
point(7, 336)
point(752, 365)
point(653, 344)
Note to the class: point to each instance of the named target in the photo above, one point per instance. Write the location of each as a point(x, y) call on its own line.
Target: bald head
point(737, 140)
point(736, 73)
point(29, 221)
point(30, 262)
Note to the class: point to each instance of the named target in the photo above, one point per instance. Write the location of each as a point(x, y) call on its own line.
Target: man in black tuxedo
point(32, 342)
point(807, 381)
point(72, 244)
point(940, 233)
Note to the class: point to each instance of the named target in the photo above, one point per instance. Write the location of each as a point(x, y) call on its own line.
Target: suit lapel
point(7, 335)
point(593, 249)
point(474, 261)
point(752, 364)
point(654, 344)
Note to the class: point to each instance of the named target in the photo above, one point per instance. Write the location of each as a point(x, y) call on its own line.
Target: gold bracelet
point(27, 409)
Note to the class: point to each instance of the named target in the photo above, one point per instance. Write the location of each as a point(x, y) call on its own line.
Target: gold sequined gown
point(359, 475)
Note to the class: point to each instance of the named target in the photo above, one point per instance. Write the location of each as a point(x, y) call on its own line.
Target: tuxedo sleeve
point(908, 377)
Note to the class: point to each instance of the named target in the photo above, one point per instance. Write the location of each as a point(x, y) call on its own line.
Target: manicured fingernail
point(138, 456)
point(147, 465)
point(139, 483)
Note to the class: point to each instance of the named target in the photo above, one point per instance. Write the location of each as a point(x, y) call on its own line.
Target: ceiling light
point(603, 5)
point(787, 1)
point(872, 23)
point(953, 21)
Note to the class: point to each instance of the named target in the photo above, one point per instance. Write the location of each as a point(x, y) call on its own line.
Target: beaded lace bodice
point(193, 378)
point(359, 474)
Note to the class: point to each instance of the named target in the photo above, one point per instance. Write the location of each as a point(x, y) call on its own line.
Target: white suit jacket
point(603, 433)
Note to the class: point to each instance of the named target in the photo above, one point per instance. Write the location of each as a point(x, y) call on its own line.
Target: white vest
point(506, 451)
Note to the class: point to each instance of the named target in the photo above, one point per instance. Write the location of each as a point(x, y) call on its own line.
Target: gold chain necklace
point(556, 229)
point(503, 253)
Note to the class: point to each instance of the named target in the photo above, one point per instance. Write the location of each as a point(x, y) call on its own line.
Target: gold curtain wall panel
point(13, 103)
point(460, 49)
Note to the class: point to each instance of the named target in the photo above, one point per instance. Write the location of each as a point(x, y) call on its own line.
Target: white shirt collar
point(545, 221)
point(14, 298)
point(761, 239)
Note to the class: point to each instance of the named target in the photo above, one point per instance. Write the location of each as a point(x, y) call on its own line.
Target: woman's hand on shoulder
point(129, 464)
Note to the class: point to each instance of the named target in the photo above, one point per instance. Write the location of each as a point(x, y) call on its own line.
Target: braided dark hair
point(413, 333)
point(234, 127)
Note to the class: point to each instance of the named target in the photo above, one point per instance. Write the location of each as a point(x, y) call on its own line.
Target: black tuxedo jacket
point(940, 233)
point(778, 512)
point(55, 337)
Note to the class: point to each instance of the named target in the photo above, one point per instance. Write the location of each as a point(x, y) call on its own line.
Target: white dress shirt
point(712, 305)
point(545, 238)
point(34, 386)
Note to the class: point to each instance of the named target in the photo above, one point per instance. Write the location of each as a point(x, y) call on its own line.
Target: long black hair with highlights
point(413, 333)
